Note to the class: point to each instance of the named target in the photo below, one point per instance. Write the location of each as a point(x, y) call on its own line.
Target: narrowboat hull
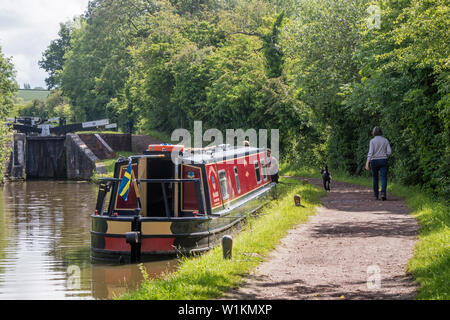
point(169, 202)
point(155, 238)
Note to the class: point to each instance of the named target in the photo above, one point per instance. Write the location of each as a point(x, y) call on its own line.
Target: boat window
point(223, 184)
point(238, 184)
point(258, 172)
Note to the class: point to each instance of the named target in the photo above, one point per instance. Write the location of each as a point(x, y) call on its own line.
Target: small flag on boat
point(124, 186)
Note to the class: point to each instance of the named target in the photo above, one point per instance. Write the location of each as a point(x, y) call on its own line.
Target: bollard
point(297, 200)
point(227, 246)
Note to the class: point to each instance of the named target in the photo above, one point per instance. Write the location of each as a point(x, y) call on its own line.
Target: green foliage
point(55, 105)
point(354, 77)
point(8, 88)
point(109, 166)
point(272, 51)
point(165, 65)
point(191, 69)
point(320, 42)
point(53, 57)
point(97, 65)
point(430, 264)
point(314, 69)
point(404, 89)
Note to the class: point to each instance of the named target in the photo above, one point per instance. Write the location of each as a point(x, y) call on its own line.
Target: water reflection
point(115, 280)
point(45, 245)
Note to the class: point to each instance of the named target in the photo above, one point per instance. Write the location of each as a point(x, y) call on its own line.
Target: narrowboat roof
point(219, 154)
point(208, 155)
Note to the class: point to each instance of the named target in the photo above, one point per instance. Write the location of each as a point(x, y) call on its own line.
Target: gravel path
point(353, 248)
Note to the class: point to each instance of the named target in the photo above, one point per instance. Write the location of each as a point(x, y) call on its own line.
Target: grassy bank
point(430, 265)
point(209, 275)
point(109, 165)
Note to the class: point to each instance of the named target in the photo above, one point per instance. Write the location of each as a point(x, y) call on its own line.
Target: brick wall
point(117, 142)
point(98, 146)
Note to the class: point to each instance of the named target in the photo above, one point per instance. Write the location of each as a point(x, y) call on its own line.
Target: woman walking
point(377, 158)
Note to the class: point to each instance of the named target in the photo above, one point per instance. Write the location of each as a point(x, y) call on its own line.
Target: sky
point(26, 29)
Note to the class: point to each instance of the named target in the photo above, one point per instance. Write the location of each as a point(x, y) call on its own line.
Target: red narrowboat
point(179, 201)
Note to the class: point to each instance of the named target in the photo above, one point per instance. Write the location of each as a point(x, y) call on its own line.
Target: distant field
point(29, 95)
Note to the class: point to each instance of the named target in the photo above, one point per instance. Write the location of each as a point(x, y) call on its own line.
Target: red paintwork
point(165, 148)
point(246, 172)
point(157, 244)
point(247, 178)
point(214, 185)
point(116, 244)
point(189, 199)
point(148, 244)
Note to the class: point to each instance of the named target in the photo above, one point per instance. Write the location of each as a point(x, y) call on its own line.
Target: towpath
point(353, 248)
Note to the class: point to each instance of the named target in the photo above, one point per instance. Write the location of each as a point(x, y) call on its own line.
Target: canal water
point(45, 245)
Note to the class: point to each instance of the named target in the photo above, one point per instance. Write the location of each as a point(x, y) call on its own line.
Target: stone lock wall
point(81, 161)
point(73, 157)
point(15, 169)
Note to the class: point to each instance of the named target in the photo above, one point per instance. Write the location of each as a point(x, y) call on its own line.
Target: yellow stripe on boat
point(118, 227)
point(153, 228)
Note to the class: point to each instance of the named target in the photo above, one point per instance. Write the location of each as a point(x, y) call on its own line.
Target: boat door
point(215, 191)
point(188, 192)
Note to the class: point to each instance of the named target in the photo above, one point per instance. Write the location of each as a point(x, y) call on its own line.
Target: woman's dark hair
point(377, 131)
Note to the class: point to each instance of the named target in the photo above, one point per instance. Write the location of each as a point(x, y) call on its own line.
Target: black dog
point(326, 178)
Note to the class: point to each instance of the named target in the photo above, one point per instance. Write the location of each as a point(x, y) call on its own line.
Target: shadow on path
point(355, 247)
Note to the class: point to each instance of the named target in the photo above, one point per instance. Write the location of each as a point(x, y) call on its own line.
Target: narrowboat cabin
point(179, 201)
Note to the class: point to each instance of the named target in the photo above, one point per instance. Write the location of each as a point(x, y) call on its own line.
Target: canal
point(45, 245)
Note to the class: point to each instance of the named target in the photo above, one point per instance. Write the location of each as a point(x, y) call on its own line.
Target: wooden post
point(227, 246)
point(297, 200)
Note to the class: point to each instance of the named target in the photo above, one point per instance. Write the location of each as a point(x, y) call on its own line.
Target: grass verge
point(109, 165)
point(210, 276)
point(430, 264)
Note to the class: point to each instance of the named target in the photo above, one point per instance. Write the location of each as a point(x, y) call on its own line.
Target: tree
point(53, 57)
point(97, 65)
point(56, 105)
point(272, 50)
point(8, 88)
point(320, 43)
point(404, 87)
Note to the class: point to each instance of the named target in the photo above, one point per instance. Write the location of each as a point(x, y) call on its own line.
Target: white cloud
point(26, 29)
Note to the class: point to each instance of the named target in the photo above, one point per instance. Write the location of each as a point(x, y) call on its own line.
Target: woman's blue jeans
point(379, 166)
